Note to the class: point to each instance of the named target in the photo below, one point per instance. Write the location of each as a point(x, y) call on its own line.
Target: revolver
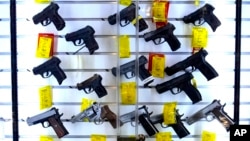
point(144, 74)
point(202, 15)
point(84, 37)
point(166, 33)
point(128, 15)
point(93, 84)
point(97, 114)
point(182, 82)
point(52, 117)
point(51, 67)
point(179, 127)
point(196, 61)
point(48, 15)
point(215, 109)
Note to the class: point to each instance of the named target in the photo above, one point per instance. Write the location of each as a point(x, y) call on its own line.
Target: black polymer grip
point(92, 45)
point(100, 91)
point(193, 94)
point(207, 70)
point(58, 21)
point(59, 75)
point(147, 125)
point(179, 128)
point(142, 25)
point(173, 42)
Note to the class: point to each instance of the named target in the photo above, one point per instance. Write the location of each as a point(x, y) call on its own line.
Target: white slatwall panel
point(79, 67)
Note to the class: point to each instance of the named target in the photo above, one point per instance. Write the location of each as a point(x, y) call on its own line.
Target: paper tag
point(86, 103)
point(164, 136)
point(95, 137)
point(45, 94)
point(46, 138)
point(42, 1)
point(199, 37)
point(197, 2)
point(169, 113)
point(124, 46)
point(208, 136)
point(194, 83)
point(128, 92)
point(45, 45)
point(156, 64)
point(158, 12)
point(125, 2)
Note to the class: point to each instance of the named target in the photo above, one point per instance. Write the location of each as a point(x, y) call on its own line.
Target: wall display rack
point(99, 65)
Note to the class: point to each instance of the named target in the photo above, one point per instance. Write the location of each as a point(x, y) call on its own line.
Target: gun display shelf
point(79, 65)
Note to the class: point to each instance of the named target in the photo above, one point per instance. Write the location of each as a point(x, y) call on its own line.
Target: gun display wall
point(115, 70)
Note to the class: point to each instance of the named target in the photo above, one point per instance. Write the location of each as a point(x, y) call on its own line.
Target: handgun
point(128, 15)
point(92, 114)
point(196, 61)
point(215, 109)
point(179, 127)
point(165, 33)
point(52, 117)
point(107, 114)
point(51, 67)
point(48, 15)
point(182, 82)
point(93, 84)
point(84, 37)
point(202, 15)
point(130, 117)
point(144, 74)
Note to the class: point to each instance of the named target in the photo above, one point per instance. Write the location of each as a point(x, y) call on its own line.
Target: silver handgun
point(92, 114)
point(213, 110)
point(130, 117)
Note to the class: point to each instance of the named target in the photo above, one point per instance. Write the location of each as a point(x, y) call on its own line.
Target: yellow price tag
point(158, 65)
point(124, 46)
point(159, 12)
point(208, 136)
point(128, 92)
point(197, 2)
point(134, 20)
point(46, 138)
point(95, 137)
point(42, 1)
point(200, 37)
point(169, 113)
point(125, 2)
point(44, 47)
point(45, 95)
point(164, 136)
point(86, 103)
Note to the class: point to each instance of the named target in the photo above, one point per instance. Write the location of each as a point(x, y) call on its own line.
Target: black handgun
point(93, 84)
point(179, 127)
point(166, 33)
point(182, 82)
point(84, 37)
point(128, 15)
point(144, 74)
point(215, 109)
point(202, 15)
point(52, 117)
point(51, 67)
point(48, 15)
point(196, 61)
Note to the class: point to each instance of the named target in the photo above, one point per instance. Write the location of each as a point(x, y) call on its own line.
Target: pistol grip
point(173, 42)
point(212, 21)
point(142, 24)
point(58, 127)
point(58, 22)
point(180, 129)
point(100, 91)
point(191, 92)
point(148, 125)
point(207, 70)
point(59, 75)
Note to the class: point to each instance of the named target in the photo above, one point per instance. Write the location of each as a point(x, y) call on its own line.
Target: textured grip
point(148, 125)
point(193, 94)
point(58, 127)
point(173, 42)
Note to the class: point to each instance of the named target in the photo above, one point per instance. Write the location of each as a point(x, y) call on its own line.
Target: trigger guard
point(88, 92)
point(46, 22)
point(79, 43)
point(164, 126)
point(132, 75)
point(178, 91)
point(47, 74)
point(98, 121)
point(207, 119)
point(125, 21)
